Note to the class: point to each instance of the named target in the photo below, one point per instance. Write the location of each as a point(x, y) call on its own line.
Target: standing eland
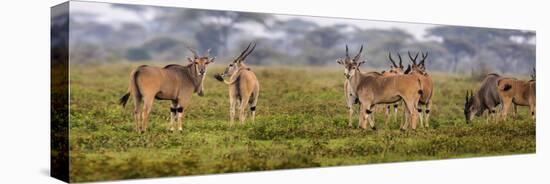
point(173, 82)
point(244, 87)
point(372, 88)
point(517, 92)
point(419, 70)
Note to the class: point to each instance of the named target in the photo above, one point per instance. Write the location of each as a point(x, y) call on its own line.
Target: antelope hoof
point(180, 129)
point(373, 128)
point(200, 93)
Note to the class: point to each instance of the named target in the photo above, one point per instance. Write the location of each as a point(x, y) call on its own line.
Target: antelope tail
point(505, 87)
point(124, 99)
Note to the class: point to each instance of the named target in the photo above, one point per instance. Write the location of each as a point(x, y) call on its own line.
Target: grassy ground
point(301, 122)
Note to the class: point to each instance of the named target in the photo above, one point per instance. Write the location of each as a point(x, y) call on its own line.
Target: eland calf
point(173, 82)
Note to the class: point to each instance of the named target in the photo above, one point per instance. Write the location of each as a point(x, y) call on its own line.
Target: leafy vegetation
point(301, 122)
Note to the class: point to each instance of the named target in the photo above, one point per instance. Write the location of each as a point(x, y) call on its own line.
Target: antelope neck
point(192, 73)
point(355, 79)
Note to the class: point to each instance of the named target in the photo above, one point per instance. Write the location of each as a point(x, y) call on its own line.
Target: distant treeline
point(165, 36)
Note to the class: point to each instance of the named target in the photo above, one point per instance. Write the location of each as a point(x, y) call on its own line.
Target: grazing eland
point(486, 98)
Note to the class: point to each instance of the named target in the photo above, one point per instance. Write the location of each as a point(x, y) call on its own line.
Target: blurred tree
point(379, 42)
point(324, 37)
point(163, 33)
point(514, 57)
point(137, 54)
point(219, 25)
point(167, 48)
point(468, 43)
point(459, 49)
point(293, 29)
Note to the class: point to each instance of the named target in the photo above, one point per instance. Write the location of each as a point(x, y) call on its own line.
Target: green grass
point(301, 122)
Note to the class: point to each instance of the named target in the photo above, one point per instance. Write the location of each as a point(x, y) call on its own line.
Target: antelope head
point(239, 62)
point(394, 68)
point(417, 67)
point(471, 106)
point(351, 65)
point(200, 62)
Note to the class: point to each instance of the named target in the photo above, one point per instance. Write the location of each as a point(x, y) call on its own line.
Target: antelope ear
point(211, 60)
point(362, 62)
point(190, 60)
point(339, 61)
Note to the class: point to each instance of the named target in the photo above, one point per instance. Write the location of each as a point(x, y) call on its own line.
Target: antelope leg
point(505, 107)
point(147, 105)
point(427, 110)
point(395, 110)
point(180, 118)
point(372, 125)
point(515, 111)
point(232, 104)
point(173, 116)
point(387, 116)
point(405, 122)
point(137, 113)
point(362, 117)
point(242, 110)
point(350, 116)
point(412, 113)
point(420, 112)
point(533, 110)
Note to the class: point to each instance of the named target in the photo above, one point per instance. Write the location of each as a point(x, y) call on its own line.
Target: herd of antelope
point(411, 87)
